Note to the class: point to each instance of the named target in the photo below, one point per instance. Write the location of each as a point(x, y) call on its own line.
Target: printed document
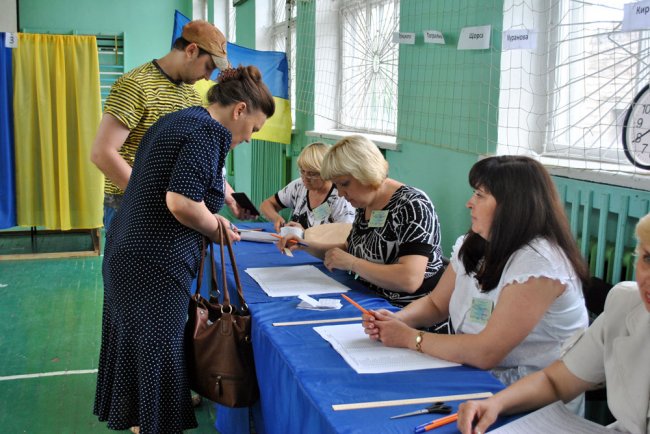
point(371, 357)
point(294, 281)
point(551, 419)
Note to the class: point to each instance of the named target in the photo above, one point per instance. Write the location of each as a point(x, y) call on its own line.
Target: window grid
point(279, 29)
point(369, 66)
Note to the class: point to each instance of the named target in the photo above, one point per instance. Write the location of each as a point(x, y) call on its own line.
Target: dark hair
point(242, 84)
point(181, 43)
point(527, 207)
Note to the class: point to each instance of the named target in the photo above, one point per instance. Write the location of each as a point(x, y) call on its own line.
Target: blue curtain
point(7, 171)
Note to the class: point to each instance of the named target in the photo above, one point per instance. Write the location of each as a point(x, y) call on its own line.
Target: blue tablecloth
point(301, 376)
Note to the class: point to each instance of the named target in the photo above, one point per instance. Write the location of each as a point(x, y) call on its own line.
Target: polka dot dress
point(150, 260)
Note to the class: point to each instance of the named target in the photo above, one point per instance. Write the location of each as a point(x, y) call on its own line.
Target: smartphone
point(244, 202)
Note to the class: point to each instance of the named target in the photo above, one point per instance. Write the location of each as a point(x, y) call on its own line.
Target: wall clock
point(636, 130)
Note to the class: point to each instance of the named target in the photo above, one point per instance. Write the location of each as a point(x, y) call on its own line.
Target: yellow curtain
point(57, 109)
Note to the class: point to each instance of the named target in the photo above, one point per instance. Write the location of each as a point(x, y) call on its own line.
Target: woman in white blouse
point(513, 290)
point(615, 350)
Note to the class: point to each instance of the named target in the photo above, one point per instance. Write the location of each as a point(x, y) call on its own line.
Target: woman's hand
point(295, 225)
point(392, 331)
point(239, 212)
point(337, 258)
point(369, 323)
point(474, 417)
point(285, 243)
point(278, 223)
point(231, 229)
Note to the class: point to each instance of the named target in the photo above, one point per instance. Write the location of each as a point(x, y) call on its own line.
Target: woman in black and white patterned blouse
point(394, 244)
point(314, 200)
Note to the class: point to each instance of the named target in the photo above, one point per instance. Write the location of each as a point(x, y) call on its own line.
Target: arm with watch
point(400, 329)
point(520, 308)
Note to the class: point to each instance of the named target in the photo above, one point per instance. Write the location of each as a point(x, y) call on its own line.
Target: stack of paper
point(371, 357)
point(554, 418)
point(260, 237)
point(294, 281)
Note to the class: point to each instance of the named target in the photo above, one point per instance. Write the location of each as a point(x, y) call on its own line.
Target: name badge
point(378, 218)
point(322, 212)
point(481, 310)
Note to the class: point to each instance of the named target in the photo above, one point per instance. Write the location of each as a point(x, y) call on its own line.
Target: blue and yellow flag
point(275, 73)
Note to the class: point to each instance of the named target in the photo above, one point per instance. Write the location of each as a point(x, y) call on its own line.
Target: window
point(283, 34)
point(568, 97)
point(110, 49)
point(232, 22)
point(368, 62)
point(199, 9)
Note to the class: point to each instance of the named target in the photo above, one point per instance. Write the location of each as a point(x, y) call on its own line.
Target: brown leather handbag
point(219, 350)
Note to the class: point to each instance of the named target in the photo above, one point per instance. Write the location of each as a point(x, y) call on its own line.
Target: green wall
point(442, 174)
point(147, 24)
point(446, 114)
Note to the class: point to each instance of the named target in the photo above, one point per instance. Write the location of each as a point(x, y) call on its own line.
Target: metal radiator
point(269, 169)
point(602, 219)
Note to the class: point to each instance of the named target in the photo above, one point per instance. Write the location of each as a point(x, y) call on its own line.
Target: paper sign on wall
point(11, 40)
point(519, 39)
point(474, 38)
point(404, 38)
point(636, 16)
point(433, 37)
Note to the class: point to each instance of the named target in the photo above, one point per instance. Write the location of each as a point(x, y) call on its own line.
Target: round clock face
point(636, 130)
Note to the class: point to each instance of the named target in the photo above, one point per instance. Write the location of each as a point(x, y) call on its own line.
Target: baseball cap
point(209, 39)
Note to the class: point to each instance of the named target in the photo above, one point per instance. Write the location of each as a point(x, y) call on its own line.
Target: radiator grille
point(602, 219)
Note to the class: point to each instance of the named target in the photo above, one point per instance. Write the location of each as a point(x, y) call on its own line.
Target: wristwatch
point(418, 341)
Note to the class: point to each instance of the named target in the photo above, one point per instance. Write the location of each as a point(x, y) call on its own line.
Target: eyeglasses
point(309, 175)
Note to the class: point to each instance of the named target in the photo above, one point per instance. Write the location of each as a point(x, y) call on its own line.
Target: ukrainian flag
point(275, 73)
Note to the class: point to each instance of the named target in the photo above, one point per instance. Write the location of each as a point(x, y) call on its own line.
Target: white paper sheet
point(258, 236)
point(294, 281)
point(320, 304)
point(371, 357)
point(554, 418)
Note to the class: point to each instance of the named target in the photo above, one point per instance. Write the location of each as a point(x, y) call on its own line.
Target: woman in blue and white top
point(314, 200)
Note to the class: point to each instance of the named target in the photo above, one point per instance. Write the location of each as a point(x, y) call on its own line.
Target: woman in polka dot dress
point(153, 251)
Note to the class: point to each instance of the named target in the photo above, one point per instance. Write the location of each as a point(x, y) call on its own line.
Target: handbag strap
point(224, 280)
point(226, 240)
point(214, 289)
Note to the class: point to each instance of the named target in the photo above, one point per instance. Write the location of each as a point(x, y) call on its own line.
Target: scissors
point(437, 407)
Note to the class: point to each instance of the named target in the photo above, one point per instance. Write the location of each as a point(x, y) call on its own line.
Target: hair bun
point(228, 74)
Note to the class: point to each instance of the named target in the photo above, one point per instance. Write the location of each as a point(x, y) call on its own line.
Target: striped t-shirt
point(138, 99)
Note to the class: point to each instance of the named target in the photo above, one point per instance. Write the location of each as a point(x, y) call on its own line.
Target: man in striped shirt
point(146, 93)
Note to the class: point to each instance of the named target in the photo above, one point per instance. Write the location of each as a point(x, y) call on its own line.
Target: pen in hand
point(292, 241)
point(355, 304)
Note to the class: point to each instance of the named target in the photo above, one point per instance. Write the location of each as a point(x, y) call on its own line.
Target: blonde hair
point(311, 157)
point(358, 157)
point(643, 231)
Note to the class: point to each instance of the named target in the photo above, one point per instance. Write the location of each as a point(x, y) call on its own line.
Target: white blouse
point(565, 316)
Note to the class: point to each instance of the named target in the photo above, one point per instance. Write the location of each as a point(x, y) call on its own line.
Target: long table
point(301, 376)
